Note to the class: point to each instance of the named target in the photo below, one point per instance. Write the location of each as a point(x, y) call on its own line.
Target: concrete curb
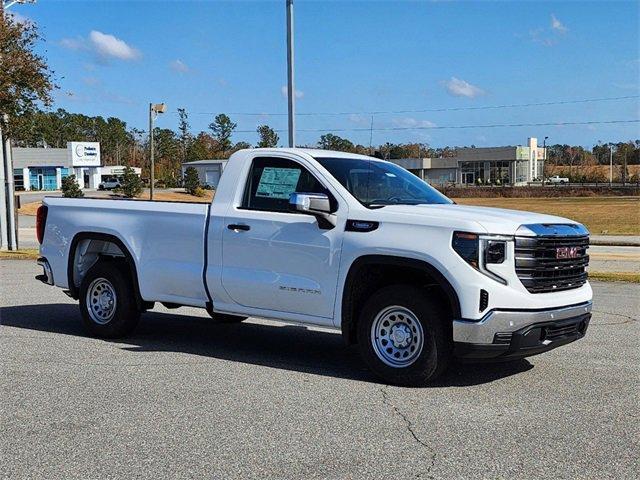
point(614, 243)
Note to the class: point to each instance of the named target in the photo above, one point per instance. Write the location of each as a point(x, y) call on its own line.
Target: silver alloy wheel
point(397, 336)
point(101, 301)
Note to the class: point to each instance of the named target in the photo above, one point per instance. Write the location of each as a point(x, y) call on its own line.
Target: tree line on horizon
point(122, 145)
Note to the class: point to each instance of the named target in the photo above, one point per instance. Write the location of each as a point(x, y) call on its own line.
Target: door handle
point(237, 226)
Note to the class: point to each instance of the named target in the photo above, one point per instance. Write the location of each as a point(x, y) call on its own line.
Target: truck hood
point(499, 221)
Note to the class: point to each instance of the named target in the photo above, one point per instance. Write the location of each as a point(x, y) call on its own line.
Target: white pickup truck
point(331, 239)
point(558, 179)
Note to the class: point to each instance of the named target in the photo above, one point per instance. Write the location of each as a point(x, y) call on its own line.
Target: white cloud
point(461, 88)
point(103, 45)
point(549, 36)
point(107, 45)
point(557, 25)
point(410, 122)
point(285, 91)
point(179, 66)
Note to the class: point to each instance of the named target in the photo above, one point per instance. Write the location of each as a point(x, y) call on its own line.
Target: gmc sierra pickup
point(331, 239)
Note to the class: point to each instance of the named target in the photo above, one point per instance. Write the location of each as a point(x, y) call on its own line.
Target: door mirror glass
point(311, 203)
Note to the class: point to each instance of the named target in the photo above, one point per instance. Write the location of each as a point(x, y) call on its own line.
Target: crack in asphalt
point(409, 426)
point(629, 318)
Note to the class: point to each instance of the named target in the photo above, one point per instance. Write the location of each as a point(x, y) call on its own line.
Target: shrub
point(131, 184)
point(70, 187)
point(191, 181)
point(199, 192)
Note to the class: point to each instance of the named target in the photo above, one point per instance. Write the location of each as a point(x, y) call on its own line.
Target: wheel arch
point(355, 291)
point(107, 245)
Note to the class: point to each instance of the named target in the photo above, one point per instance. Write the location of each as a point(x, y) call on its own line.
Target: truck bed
point(165, 239)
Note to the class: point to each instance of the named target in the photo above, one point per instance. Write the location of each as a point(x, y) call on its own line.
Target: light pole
point(154, 110)
point(610, 163)
point(544, 158)
point(291, 92)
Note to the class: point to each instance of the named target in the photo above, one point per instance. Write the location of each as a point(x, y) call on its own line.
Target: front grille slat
point(539, 269)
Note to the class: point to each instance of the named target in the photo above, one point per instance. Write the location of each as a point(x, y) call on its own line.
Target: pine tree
point(131, 184)
point(191, 180)
point(70, 187)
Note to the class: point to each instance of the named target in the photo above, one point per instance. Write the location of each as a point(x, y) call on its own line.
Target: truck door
point(275, 259)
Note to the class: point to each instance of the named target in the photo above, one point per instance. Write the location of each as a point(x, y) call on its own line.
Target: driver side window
point(272, 180)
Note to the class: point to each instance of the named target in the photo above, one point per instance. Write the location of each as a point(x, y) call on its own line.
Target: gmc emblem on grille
point(566, 252)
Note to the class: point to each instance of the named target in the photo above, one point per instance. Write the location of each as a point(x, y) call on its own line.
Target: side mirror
point(310, 203)
point(316, 204)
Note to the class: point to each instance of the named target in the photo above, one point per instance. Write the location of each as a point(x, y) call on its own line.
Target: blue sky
point(112, 58)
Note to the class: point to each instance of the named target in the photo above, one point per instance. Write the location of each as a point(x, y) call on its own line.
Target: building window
point(43, 178)
point(18, 179)
point(472, 172)
point(499, 173)
point(521, 171)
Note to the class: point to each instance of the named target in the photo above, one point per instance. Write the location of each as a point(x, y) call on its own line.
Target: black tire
point(436, 351)
point(124, 315)
point(226, 318)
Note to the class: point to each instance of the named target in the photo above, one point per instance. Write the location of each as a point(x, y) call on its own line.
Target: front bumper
point(510, 334)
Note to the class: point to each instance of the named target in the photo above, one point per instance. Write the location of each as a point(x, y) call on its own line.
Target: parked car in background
point(337, 240)
point(109, 184)
point(558, 179)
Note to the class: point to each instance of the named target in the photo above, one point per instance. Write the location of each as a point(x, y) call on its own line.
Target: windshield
point(375, 184)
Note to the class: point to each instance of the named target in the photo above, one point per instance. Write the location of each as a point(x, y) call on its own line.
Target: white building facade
point(512, 165)
point(44, 168)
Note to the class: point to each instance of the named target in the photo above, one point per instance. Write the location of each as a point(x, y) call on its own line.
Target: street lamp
point(544, 159)
point(154, 110)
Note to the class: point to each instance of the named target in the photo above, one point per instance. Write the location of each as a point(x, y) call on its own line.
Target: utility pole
point(610, 164)
point(153, 166)
point(8, 237)
point(544, 158)
point(154, 110)
point(8, 230)
point(291, 91)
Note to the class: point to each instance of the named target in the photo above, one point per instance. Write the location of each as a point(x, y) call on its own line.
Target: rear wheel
point(107, 300)
point(403, 335)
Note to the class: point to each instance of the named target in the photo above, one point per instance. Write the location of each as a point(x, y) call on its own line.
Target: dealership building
point(513, 165)
point(44, 168)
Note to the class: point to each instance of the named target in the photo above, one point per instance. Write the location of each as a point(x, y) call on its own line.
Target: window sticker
point(278, 182)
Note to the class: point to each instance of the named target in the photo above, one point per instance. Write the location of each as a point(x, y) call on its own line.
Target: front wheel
point(107, 300)
point(403, 336)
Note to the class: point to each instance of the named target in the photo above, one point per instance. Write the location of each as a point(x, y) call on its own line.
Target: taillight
point(41, 222)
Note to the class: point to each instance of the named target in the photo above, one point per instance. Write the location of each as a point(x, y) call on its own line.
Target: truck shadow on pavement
point(293, 348)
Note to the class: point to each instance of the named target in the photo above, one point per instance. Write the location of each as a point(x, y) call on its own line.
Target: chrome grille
point(539, 268)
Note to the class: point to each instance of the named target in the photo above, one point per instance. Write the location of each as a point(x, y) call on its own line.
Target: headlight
point(494, 251)
point(479, 251)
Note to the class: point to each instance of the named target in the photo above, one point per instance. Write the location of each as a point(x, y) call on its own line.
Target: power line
point(442, 127)
point(428, 110)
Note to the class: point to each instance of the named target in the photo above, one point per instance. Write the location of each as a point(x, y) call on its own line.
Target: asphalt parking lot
point(187, 398)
